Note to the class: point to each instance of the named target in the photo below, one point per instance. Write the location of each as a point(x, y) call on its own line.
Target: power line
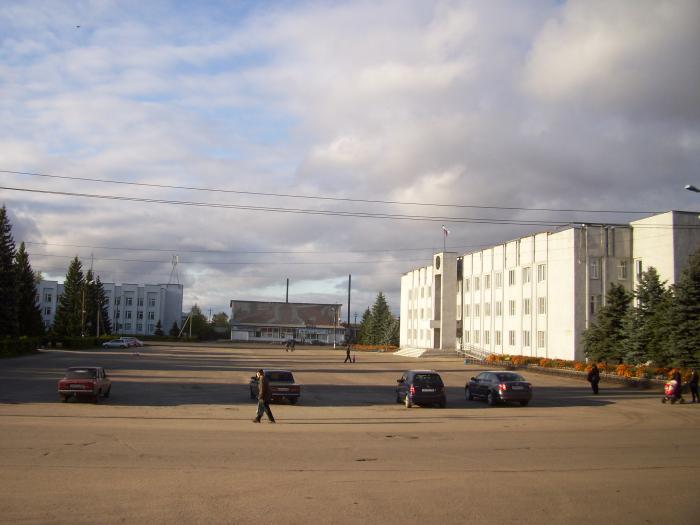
point(325, 198)
point(366, 215)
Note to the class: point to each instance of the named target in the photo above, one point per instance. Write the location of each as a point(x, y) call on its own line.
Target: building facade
point(276, 322)
point(134, 309)
point(536, 295)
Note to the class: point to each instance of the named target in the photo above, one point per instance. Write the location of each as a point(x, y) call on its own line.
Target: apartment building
point(537, 294)
point(133, 308)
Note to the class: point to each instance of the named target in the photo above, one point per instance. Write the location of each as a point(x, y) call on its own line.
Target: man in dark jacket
point(264, 396)
point(594, 377)
point(693, 383)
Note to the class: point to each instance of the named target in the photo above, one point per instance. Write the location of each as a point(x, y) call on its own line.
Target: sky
point(260, 141)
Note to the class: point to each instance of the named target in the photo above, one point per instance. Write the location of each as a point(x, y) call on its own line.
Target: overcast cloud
point(589, 105)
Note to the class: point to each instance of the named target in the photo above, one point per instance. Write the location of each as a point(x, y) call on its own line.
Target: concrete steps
point(425, 352)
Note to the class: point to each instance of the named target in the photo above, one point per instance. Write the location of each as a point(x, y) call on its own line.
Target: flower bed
point(374, 348)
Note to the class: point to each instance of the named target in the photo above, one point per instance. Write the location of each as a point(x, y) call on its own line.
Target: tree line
point(19, 312)
point(655, 323)
point(378, 326)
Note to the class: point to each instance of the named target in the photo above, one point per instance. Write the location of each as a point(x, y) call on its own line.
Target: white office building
point(134, 309)
point(536, 295)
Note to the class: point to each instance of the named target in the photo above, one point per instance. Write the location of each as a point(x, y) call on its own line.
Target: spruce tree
point(68, 321)
point(159, 329)
point(29, 318)
point(363, 336)
point(174, 330)
point(8, 284)
point(380, 320)
point(605, 338)
point(685, 316)
point(103, 303)
point(646, 325)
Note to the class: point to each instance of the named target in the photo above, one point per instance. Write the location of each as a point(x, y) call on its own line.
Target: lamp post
point(86, 282)
point(335, 324)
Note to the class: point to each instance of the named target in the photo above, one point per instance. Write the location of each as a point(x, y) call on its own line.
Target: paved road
point(175, 444)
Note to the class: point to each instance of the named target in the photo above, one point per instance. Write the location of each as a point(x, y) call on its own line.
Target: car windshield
point(427, 379)
point(81, 373)
point(510, 377)
point(282, 377)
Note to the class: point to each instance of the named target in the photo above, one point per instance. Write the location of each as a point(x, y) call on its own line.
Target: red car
point(282, 386)
point(84, 381)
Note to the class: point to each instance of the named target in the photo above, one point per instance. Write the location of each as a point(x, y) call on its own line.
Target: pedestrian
point(287, 344)
point(594, 378)
point(679, 384)
point(264, 396)
point(294, 343)
point(694, 385)
point(347, 355)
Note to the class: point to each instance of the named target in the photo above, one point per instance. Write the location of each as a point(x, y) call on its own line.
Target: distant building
point(536, 295)
point(133, 308)
point(275, 322)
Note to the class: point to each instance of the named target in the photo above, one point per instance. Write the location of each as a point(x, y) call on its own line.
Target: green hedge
point(23, 345)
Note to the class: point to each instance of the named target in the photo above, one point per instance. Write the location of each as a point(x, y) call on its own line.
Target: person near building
point(594, 377)
point(693, 383)
point(347, 354)
point(264, 396)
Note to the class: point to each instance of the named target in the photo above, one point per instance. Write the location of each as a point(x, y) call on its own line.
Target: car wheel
point(491, 399)
point(108, 391)
point(96, 397)
point(468, 394)
point(524, 403)
point(64, 399)
point(443, 403)
point(408, 401)
point(293, 400)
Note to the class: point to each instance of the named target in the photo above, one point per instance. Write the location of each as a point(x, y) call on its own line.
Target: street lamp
point(690, 187)
point(335, 324)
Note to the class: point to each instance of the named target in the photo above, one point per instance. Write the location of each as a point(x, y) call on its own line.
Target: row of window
point(127, 327)
point(128, 301)
point(527, 308)
point(526, 274)
point(474, 337)
point(424, 290)
point(139, 315)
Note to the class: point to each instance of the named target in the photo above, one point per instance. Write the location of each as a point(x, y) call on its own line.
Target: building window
point(639, 269)
point(511, 337)
point(511, 277)
point(139, 327)
point(487, 337)
point(152, 302)
point(527, 275)
point(477, 283)
point(499, 308)
point(151, 328)
point(541, 272)
point(622, 270)
point(595, 269)
point(127, 314)
point(487, 309)
point(47, 310)
point(151, 316)
point(526, 338)
point(467, 282)
point(511, 308)
point(526, 306)
point(117, 301)
point(477, 310)
point(540, 339)
point(48, 297)
point(118, 313)
point(487, 282)
point(497, 337)
point(541, 305)
point(466, 336)
point(467, 310)
point(127, 327)
point(499, 279)
point(595, 303)
point(477, 337)
point(129, 301)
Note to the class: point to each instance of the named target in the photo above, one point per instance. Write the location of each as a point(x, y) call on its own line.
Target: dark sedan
point(421, 387)
point(282, 386)
point(499, 386)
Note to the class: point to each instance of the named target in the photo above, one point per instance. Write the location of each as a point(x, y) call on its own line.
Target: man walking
point(694, 386)
point(347, 354)
point(264, 396)
point(594, 377)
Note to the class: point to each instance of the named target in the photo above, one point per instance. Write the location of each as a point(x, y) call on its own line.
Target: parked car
point(116, 343)
point(132, 341)
point(282, 386)
point(498, 387)
point(84, 381)
point(421, 387)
